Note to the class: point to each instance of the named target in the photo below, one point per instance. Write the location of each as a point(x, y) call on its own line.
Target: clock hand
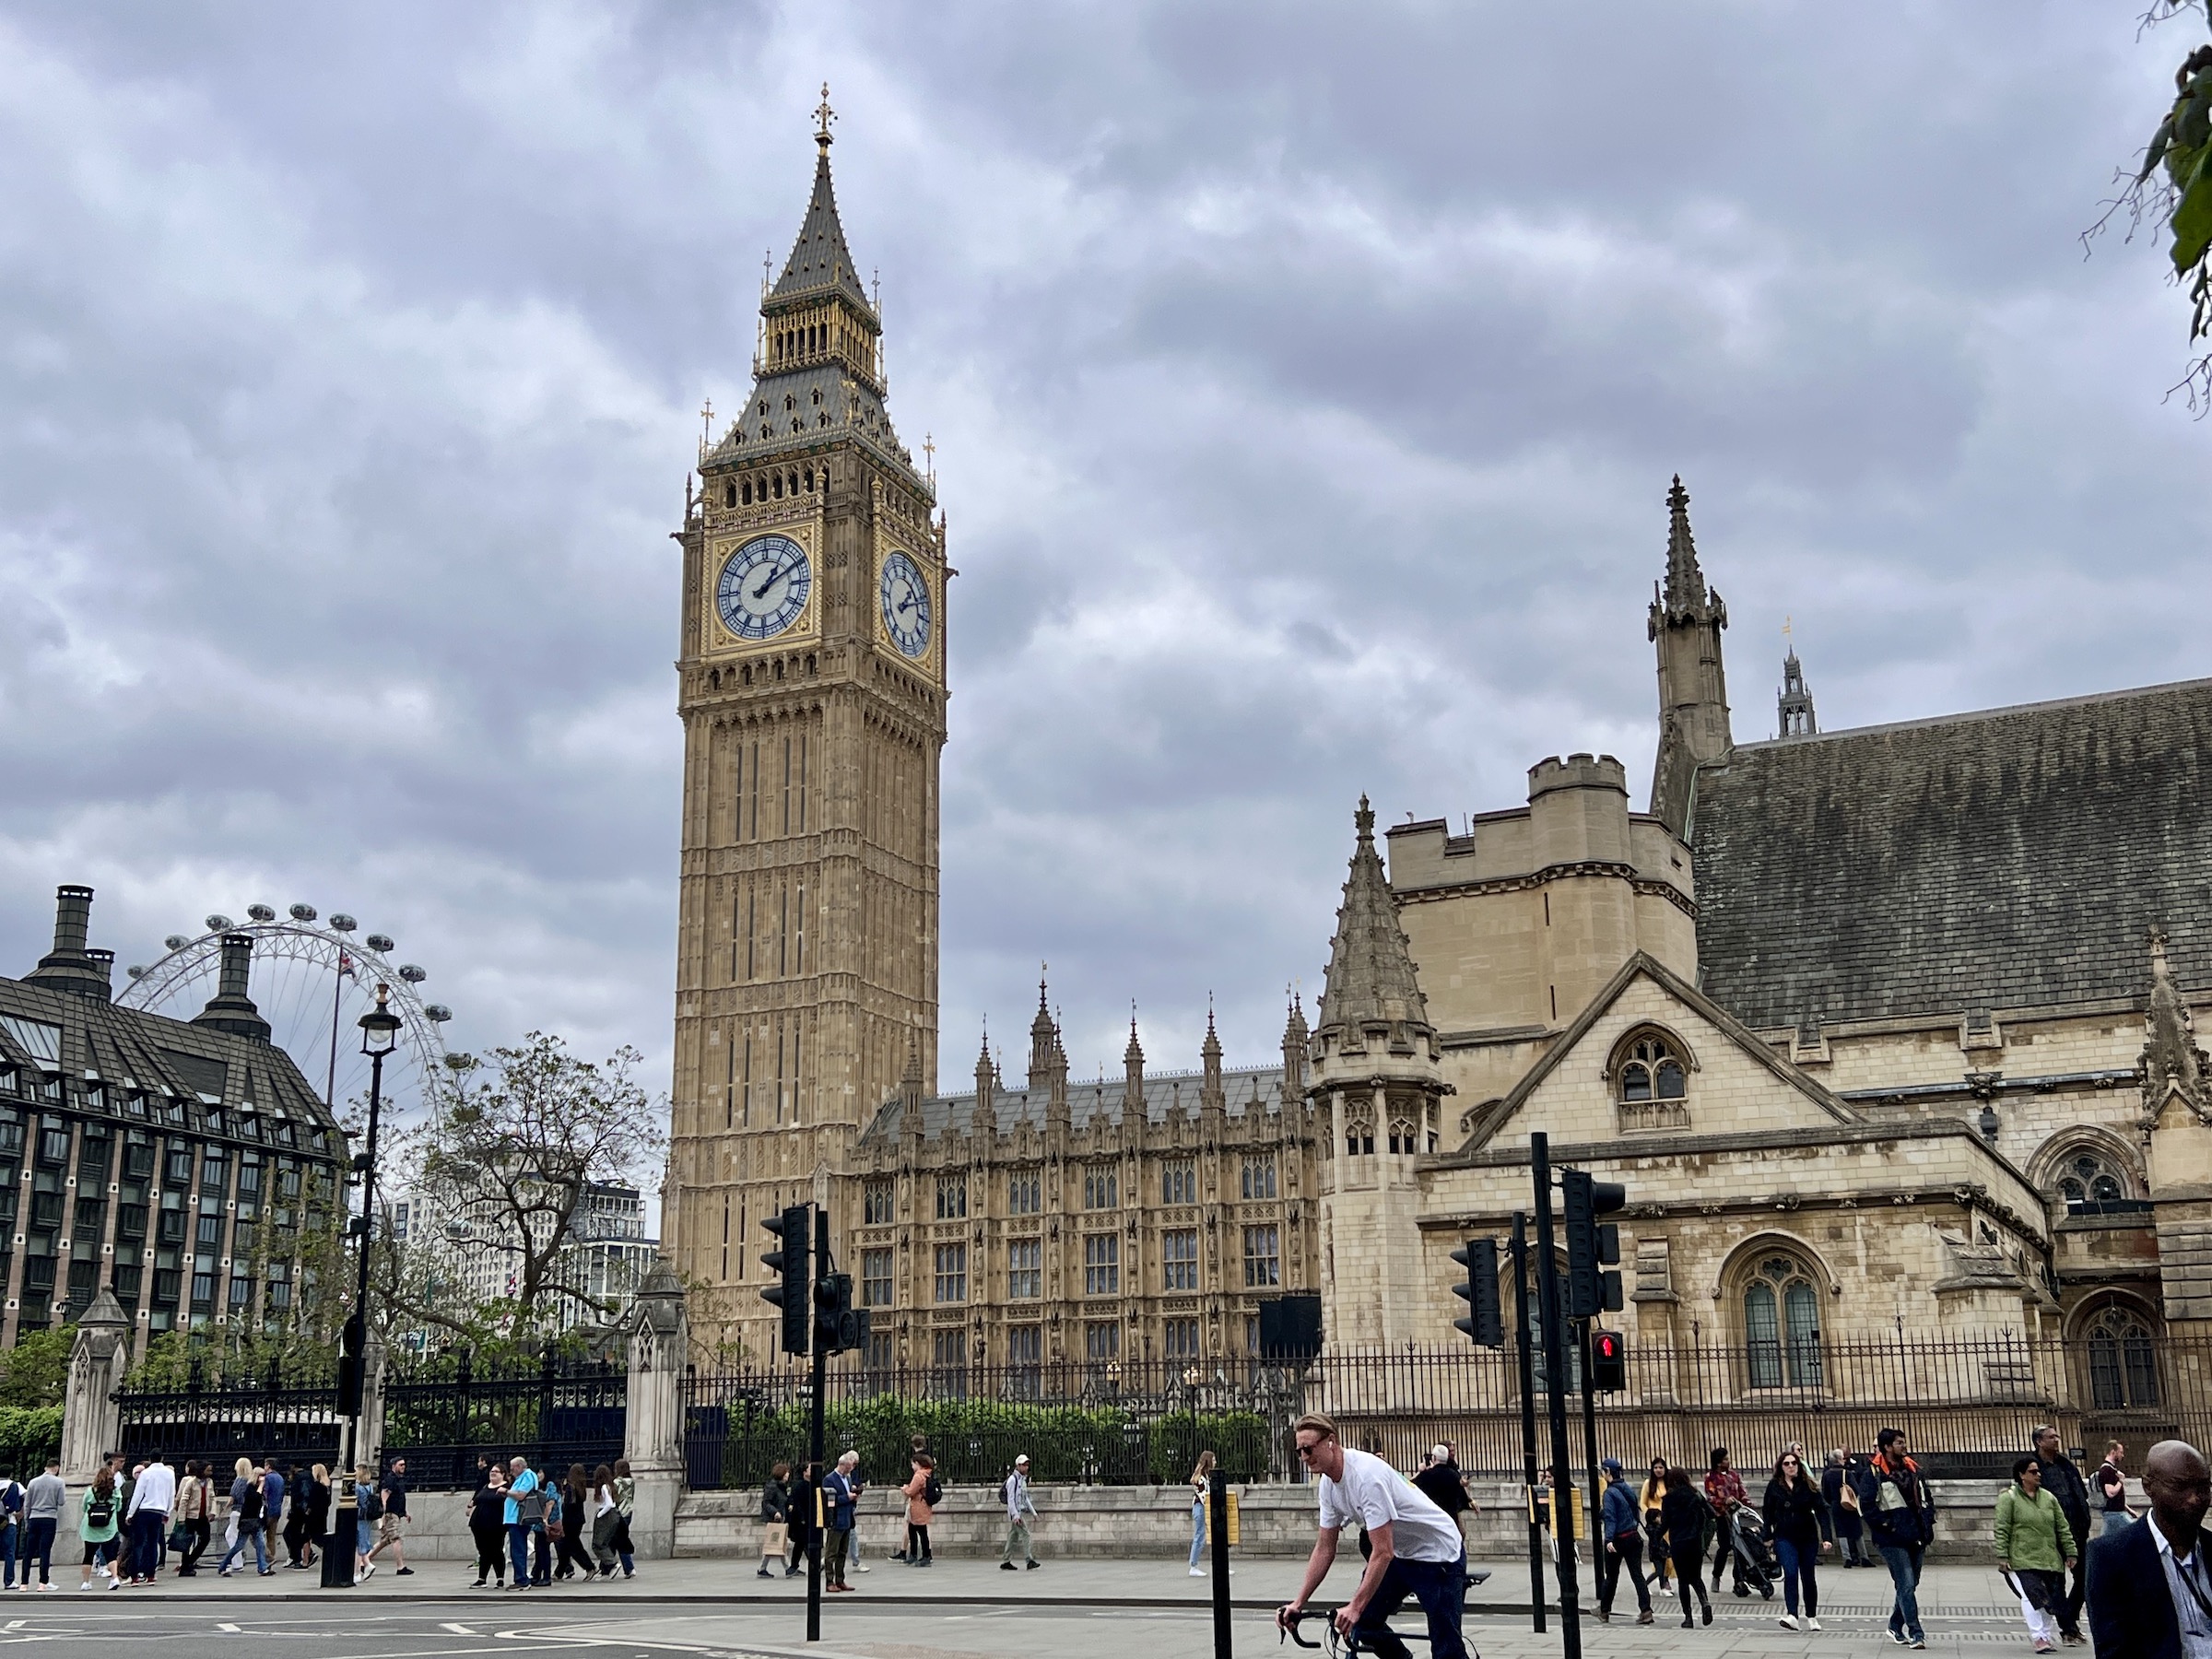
point(767, 581)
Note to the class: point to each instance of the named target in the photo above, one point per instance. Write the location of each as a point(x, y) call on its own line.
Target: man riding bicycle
point(1416, 1549)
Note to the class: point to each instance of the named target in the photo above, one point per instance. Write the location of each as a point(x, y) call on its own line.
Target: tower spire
point(1685, 582)
point(1793, 705)
point(1371, 975)
point(1685, 621)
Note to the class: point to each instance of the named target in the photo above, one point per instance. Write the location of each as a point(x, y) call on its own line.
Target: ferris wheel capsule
point(342, 922)
point(412, 974)
point(175, 942)
point(218, 923)
point(302, 912)
point(260, 912)
point(380, 942)
point(437, 1013)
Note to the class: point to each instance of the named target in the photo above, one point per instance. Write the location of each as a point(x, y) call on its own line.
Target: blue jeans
point(1197, 1532)
point(1799, 1564)
point(247, 1531)
point(518, 1551)
point(147, 1527)
point(11, 1536)
point(2113, 1520)
point(1903, 1561)
point(1442, 1589)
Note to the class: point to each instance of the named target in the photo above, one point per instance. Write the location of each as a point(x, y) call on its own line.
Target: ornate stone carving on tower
point(811, 686)
point(1375, 1070)
point(1794, 703)
point(2176, 1128)
point(1686, 622)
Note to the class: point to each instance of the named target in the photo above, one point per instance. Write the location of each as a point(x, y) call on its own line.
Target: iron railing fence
point(1105, 1425)
point(447, 1413)
point(290, 1416)
point(1967, 1404)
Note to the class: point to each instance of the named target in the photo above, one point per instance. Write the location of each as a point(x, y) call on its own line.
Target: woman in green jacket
point(96, 1526)
point(2036, 1546)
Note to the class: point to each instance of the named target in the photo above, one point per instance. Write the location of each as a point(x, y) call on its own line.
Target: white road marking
point(458, 1630)
point(231, 1628)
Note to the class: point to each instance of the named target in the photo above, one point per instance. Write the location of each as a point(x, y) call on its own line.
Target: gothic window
point(2124, 1369)
point(1258, 1178)
point(1358, 1131)
point(1101, 1264)
point(876, 1202)
point(1179, 1181)
point(1782, 1324)
point(1102, 1187)
point(1402, 1135)
point(729, 495)
point(1103, 1341)
point(1025, 1345)
point(1179, 1339)
point(952, 1273)
point(1025, 1272)
point(874, 1278)
point(1651, 1070)
point(1262, 1257)
point(790, 404)
point(2087, 1183)
point(1179, 1257)
point(952, 1197)
point(1024, 1193)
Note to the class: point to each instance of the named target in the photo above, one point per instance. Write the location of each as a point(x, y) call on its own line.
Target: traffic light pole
point(1597, 1478)
point(815, 1445)
point(1555, 1370)
point(1528, 1417)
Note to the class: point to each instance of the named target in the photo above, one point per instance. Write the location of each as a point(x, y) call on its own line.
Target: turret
point(1794, 703)
point(70, 965)
point(1685, 624)
point(1133, 1076)
point(231, 1009)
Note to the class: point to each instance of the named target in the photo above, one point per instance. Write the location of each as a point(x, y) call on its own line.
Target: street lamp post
point(380, 1035)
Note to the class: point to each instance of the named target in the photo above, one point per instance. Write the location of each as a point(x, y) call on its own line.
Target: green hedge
point(975, 1442)
point(28, 1436)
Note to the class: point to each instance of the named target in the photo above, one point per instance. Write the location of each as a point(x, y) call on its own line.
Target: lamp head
point(379, 1026)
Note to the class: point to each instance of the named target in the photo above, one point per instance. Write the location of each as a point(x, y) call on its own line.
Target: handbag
point(180, 1536)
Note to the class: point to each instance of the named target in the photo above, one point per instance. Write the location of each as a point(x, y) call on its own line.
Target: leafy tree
point(513, 1145)
point(35, 1372)
point(2170, 187)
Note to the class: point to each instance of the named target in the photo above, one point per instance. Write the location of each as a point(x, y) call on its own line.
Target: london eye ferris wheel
point(313, 979)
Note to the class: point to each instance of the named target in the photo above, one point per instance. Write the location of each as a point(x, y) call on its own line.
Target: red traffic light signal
point(1608, 1362)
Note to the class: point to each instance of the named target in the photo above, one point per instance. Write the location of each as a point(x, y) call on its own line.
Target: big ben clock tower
point(811, 686)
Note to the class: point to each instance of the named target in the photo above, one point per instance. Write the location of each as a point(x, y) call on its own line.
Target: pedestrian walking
point(152, 1496)
point(2062, 1478)
point(1653, 1501)
point(43, 1500)
point(392, 1518)
point(838, 1494)
point(1201, 1486)
point(196, 1512)
point(2035, 1546)
point(2110, 1483)
point(1620, 1526)
point(367, 1512)
point(11, 1530)
point(297, 1494)
point(775, 1519)
point(97, 1518)
point(1445, 1484)
point(607, 1518)
point(625, 1505)
point(805, 1515)
point(1796, 1518)
point(570, 1542)
point(523, 1512)
point(272, 1510)
point(1014, 1491)
point(1686, 1514)
point(1899, 1512)
point(860, 1485)
point(922, 1495)
point(2149, 1594)
point(1724, 1492)
point(1415, 1549)
point(318, 1511)
point(487, 1518)
point(1842, 1503)
point(244, 1527)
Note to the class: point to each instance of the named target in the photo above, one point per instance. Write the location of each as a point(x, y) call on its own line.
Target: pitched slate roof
point(2011, 858)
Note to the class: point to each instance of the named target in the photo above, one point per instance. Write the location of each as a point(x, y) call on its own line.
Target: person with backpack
point(524, 1514)
point(775, 1518)
point(1014, 1491)
point(245, 1520)
point(1899, 1512)
point(97, 1519)
point(625, 1505)
point(1621, 1529)
point(923, 1493)
point(368, 1509)
point(11, 1529)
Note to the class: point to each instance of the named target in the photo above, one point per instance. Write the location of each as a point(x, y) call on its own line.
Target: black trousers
point(491, 1557)
point(2077, 1583)
point(1724, 1553)
point(1688, 1575)
point(1616, 1553)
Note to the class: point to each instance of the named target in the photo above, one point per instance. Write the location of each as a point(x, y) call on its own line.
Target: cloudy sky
point(1305, 381)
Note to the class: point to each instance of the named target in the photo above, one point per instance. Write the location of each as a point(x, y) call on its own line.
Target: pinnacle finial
point(1685, 582)
point(823, 116)
point(1364, 818)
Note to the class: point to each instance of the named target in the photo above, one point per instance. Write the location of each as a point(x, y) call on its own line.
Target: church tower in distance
point(811, 688)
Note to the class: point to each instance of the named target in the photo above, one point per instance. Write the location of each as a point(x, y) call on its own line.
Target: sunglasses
point(1307, 1448)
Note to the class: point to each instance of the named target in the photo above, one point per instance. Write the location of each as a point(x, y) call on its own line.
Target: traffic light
point(1608, 1363)
point(1592, 1246)
point(1484, 1320)
point(788, 1262)
point(834, 1323)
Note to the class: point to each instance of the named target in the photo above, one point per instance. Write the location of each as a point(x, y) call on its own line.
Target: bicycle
point(1340, 1646)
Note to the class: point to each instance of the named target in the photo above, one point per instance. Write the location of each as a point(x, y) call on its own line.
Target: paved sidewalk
point(1863, 1593)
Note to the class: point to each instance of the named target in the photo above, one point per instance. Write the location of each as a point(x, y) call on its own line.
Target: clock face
point(762, 589)
point(905, 604)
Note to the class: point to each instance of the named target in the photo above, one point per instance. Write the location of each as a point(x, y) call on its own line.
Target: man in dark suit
point(2150, 1584)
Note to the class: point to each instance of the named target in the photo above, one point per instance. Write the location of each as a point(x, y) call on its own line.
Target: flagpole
point(337, 991)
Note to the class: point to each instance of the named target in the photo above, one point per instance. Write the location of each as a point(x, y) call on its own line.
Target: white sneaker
point(114, 1583)
point(862, 1566)
point(1197, 1573)
point(1788, 1621)
point(86, 1585)
point(1811, 1623)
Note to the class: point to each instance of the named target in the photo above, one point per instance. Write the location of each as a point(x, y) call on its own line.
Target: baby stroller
point(1749, 1538)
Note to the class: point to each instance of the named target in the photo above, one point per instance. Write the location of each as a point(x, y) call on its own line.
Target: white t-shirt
point(1374, 1494)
